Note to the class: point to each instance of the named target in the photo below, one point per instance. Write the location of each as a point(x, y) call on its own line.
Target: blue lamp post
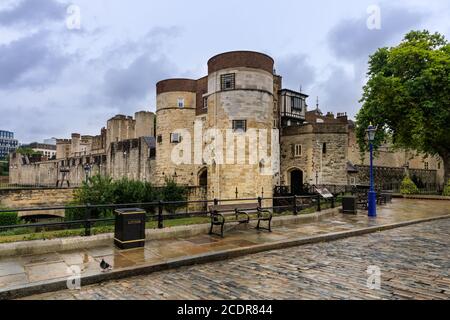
point(372, 194)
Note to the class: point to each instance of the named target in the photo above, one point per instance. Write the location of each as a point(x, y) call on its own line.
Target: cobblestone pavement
point(414, 262)
point(24, 270)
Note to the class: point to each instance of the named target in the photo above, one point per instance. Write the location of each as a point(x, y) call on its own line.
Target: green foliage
point(4, 167)
point(408, 96)
point(408, 187)
point(173, 192)
point(98, 190)
point(447, 190)
point(9, 218)
point(103, 190)
point(28, 151)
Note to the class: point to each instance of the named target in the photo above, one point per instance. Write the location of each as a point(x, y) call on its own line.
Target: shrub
point(98, 190)
point(408, 186)
point(132, 191)
point(8, 218)
point(447, 190)
point(173, 192)
point(103, 190)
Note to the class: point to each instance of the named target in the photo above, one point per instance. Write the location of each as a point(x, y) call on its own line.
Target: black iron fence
point(160, 212)
point(307, 189)
point(424, 188)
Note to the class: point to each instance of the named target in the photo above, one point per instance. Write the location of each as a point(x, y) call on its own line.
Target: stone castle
point(240, 104)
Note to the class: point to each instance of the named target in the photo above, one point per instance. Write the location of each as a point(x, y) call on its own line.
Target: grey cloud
point(352, 42)
point(30, 61)
point(351, 39)
point(340, 92)
point(32, 12)
point(135, 81)
point(296, 71)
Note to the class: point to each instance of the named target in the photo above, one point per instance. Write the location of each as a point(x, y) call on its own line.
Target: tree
point(4, 167)
point(27, 151)
point(408, 96)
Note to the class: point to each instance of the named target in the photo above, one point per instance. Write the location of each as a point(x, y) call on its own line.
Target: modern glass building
point(7, 143)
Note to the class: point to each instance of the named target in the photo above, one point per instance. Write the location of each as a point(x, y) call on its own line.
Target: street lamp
point(372, 194)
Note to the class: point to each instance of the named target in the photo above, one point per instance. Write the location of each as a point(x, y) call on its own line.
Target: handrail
point(158, 215)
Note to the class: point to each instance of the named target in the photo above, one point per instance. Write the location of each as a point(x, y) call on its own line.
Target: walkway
point(37, 270)
point(413, 261)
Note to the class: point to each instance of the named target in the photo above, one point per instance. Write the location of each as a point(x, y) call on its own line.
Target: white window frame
point(180, 103)
point(297, 148)
point(238, 129)
point(175, 138)
point(228, 78)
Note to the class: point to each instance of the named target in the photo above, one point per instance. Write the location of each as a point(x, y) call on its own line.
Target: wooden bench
point(241, 212)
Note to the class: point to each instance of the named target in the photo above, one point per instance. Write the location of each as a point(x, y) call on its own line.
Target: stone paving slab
point(414, 264)
point(31, 274)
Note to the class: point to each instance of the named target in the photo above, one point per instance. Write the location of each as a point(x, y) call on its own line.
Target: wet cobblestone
point(414, 263)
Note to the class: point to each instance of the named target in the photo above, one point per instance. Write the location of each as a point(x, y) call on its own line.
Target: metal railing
point(162, 211)
point(426, 188)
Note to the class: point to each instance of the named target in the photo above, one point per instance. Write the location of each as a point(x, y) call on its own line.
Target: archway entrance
point(297, 182)
point(203, 178)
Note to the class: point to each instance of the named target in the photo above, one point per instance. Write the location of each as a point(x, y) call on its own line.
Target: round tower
point(175, 117)
point(240, 102)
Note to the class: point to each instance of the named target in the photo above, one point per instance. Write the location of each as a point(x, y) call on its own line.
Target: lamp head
point(371, 131)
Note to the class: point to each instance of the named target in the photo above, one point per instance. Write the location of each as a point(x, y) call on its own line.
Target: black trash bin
point(350, 204)
point(130, 228)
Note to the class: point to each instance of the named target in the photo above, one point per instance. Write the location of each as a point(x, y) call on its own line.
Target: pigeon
point(105, 266)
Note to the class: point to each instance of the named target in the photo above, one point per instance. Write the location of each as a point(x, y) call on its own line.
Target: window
point(159, 139)
point(324, 148)
point(439, 165)
point(152, 153)
point(296, 103)
point(426, 165)
point(205, 103)
point(240, 125)
point(175, 138)
point(298, 150)
point(180, 103)
point(227, 81)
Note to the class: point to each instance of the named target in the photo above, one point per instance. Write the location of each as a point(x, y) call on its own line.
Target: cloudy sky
point(56, 78)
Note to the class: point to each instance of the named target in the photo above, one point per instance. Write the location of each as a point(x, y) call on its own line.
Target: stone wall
point(391, 177)
point(31, 198)
point(132, 159)
point(329, 167)
point(386, 156)
point(47, 173)
point(36, 198)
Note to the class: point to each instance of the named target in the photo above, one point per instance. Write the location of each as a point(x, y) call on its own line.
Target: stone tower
point(240, 100)
point(175, 117)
